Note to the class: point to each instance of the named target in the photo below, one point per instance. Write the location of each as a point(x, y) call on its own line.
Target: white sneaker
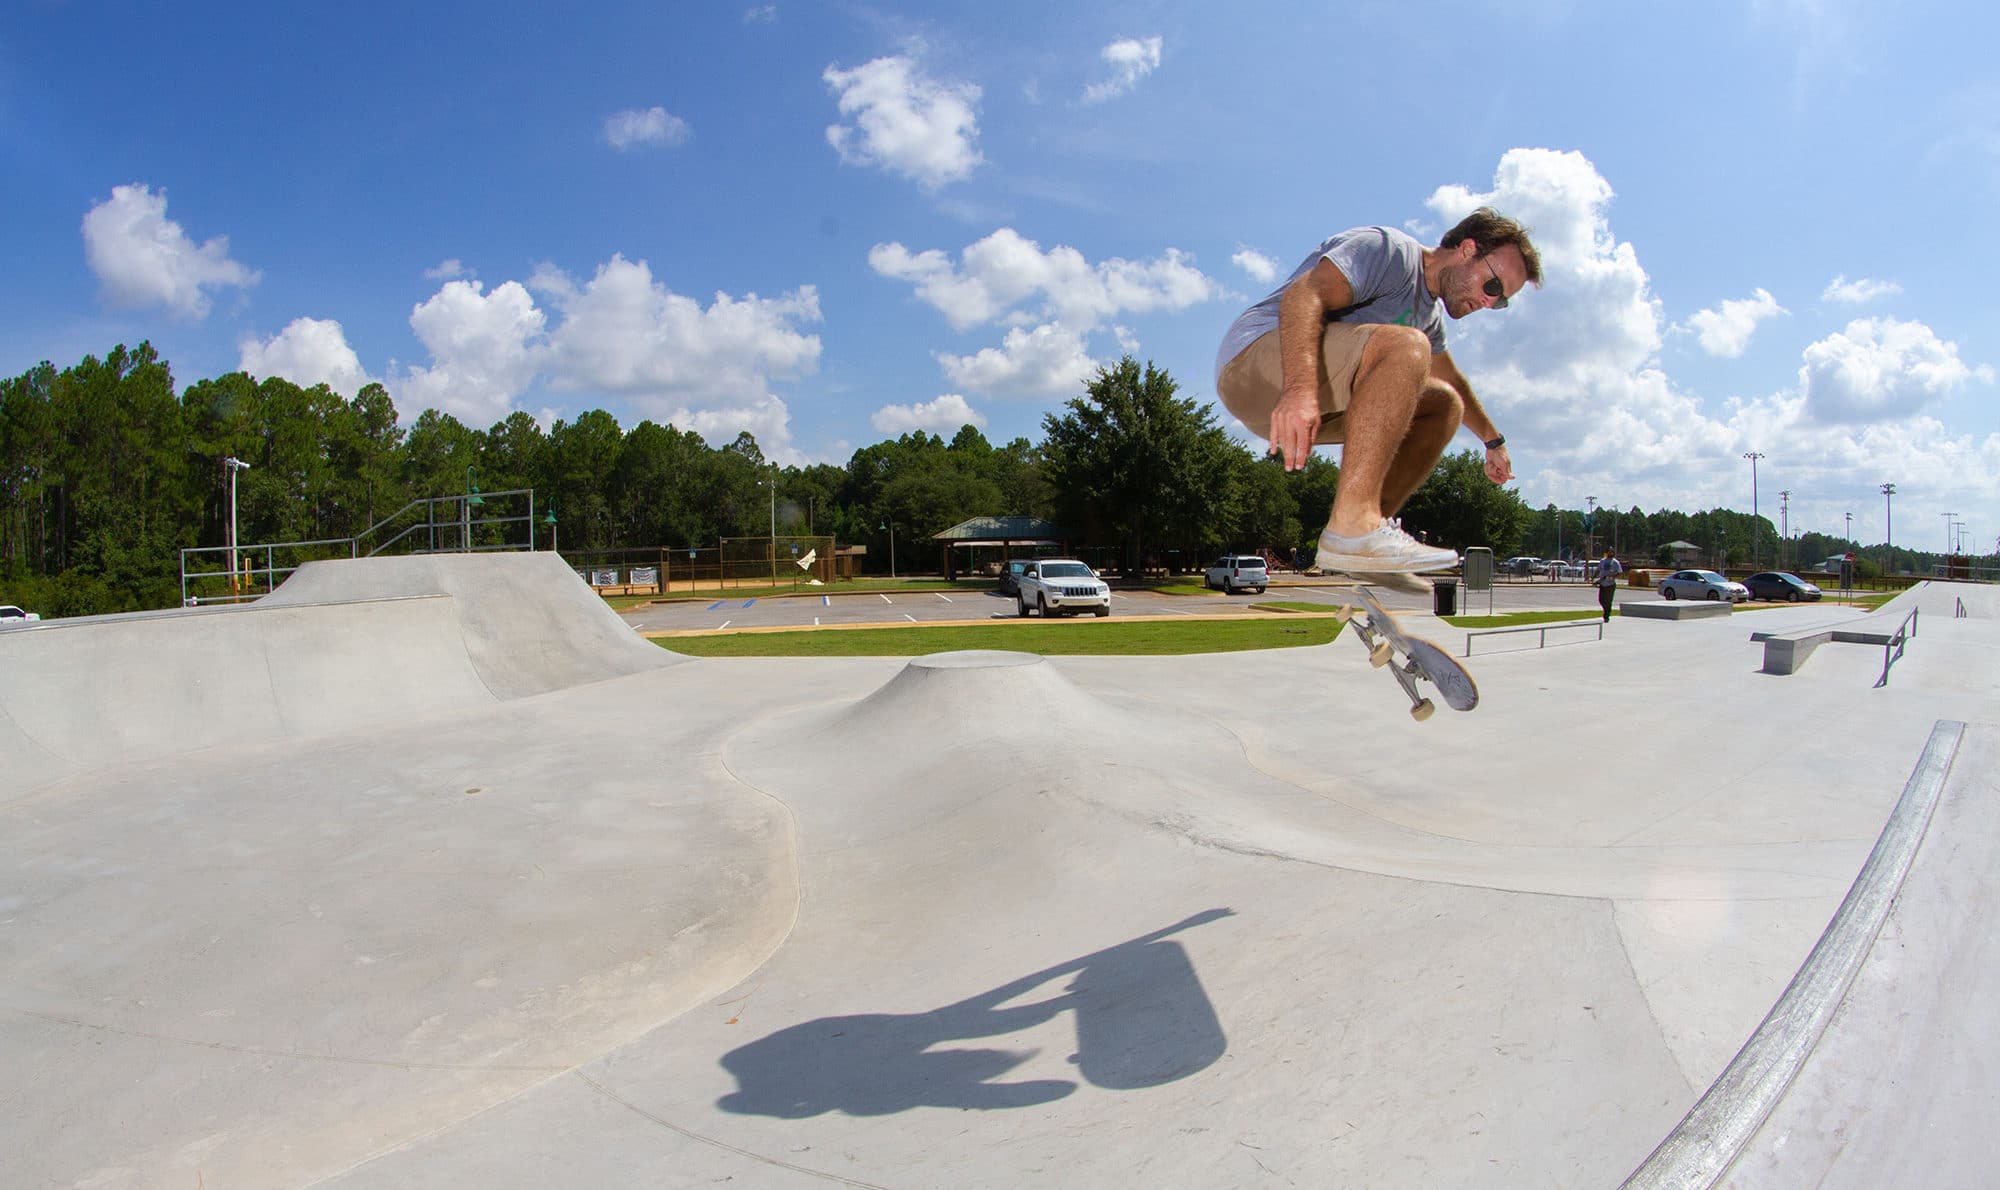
point(1387, 549)
point(1394, 580)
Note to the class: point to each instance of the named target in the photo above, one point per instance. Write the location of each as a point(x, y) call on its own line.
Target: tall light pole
point(1784, 522)
point(891, 527)
point(555, 531)
point(1589, 528)
point(234, 465)
point(1947, 531)
point(1850, 530)
point(1755, 536)
point(1888, 528)
point(773, 481)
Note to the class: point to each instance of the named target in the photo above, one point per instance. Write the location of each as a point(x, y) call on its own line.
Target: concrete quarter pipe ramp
point(548, 906)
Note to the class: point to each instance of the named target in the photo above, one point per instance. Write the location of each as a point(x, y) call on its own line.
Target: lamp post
point(1784, 522)
point(891, 527)
point(1948, 516)
point(234, 465)
point(465, 510)
point(1888, 528)
point(555, 534)
point(1850, 530)
point(1589, 528)
point(773, 481)
point(1756, 538)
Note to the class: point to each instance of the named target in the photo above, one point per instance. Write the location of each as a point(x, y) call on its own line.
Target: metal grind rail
point(1543, 629)
point(1892, 649)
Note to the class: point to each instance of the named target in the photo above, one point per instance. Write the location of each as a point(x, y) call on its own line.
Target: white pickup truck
point(1062, 587)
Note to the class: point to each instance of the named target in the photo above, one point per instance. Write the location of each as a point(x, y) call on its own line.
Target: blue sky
point(1765, 225)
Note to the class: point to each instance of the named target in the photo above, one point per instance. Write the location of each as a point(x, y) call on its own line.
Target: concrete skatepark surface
point(427, 872)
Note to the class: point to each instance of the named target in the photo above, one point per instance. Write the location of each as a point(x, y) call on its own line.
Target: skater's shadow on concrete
point(1142, 1019)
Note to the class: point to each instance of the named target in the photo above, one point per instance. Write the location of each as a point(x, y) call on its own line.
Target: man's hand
point(1499, 468)
point(1294, 425)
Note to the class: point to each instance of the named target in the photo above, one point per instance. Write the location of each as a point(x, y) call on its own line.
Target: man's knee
point(1399, 347)
point(1441, 400)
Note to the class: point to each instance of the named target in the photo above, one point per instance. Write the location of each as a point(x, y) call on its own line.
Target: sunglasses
point(1496, 288)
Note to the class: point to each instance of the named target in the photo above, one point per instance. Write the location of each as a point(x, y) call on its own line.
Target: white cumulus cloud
point(1258, 266)
point(651, 126)
point(1858, 291)
point(942, 416)
point(1047, 360)
point(144, 259)
point(1726, 330)
point(1880, 367)
point(624, 332)
point(308, 351)
point(1130, 59)
point(485, 351)
point(446, 270)
point(905, 121)
point(1052, 300)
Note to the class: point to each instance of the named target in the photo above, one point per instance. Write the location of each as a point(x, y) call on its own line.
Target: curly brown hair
point(1491, 230)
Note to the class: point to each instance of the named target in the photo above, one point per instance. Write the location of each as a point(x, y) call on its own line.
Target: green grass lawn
point(1113, 638)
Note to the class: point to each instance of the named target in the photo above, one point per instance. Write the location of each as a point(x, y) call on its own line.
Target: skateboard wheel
point(1423, 710)
point(1380, 654)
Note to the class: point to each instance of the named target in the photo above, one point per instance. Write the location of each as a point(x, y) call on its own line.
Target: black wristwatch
point(1495, 443)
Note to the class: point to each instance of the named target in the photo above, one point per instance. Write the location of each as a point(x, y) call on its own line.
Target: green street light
point(555, 534)
point(465, 513)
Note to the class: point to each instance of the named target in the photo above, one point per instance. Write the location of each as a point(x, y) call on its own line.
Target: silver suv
point(1237, 572)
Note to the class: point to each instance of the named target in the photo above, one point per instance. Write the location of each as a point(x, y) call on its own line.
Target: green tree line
point(107, 472)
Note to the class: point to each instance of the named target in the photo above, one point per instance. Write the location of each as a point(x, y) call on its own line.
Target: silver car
point(1701, 584)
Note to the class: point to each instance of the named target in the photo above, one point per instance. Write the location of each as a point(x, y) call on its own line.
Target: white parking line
point(884, 598)
point(815, 621)
point(907, 616)
point(942, 595)
point(724, 624)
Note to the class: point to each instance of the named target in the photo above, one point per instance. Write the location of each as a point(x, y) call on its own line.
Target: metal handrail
point(458, 529)
point(1892, 649)
point(1544, 629)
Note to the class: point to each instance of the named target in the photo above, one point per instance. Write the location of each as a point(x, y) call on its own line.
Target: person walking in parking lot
point(1608, 571)
point(1351, 350)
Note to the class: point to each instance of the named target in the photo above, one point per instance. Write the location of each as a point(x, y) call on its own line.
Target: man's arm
point(1499, 467)
point(1301, 331)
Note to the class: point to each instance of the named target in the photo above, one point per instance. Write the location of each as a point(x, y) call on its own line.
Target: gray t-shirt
point(1385, 268)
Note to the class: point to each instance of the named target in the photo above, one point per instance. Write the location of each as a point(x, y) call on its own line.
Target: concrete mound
point(530, 625)
point(341, 645)
point(974, 694)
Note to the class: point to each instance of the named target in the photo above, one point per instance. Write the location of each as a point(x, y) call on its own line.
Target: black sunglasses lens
point(1494, 288)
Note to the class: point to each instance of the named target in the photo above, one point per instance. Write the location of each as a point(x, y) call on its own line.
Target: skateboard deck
point(1419, 658)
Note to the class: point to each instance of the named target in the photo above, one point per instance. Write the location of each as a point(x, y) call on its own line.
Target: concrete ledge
point(1786, 652)
point(1675, 610)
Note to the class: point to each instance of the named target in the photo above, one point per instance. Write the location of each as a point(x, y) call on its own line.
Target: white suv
point(1237, 572)
point(1060, 587)
point(11, 615)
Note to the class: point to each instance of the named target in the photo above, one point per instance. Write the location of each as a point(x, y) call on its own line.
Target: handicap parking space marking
point(748, 602)
point(825, 601)
point(716, 604)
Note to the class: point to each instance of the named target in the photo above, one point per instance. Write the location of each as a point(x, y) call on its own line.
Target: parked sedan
point(1780, 584)
point(11, 616)
point(1701, 584)
point(1010, 576)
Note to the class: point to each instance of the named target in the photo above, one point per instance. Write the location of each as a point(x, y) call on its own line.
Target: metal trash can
point(1444, 596)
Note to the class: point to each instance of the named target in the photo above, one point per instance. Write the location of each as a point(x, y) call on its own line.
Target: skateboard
point(1420, 658)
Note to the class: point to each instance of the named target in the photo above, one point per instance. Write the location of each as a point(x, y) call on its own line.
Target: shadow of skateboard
point(1419, 658)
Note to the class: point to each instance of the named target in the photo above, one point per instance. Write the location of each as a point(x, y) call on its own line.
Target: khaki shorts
point(1251, 384)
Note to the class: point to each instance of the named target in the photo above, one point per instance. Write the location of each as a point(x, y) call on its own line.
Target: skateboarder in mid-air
point(1351, 349)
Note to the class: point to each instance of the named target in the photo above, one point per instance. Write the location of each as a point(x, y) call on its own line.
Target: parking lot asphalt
point(832, 608)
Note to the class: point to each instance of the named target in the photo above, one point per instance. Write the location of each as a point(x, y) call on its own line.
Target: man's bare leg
point(1393, 376)
point(1439, 411)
